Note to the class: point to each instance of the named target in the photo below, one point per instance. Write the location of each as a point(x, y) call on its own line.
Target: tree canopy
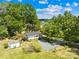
point(64, 26)
point(18, 17)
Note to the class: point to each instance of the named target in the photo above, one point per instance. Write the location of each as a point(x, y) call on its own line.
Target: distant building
point(42, 24)
point(32, 35)
point(2, 11)
point(13, 44)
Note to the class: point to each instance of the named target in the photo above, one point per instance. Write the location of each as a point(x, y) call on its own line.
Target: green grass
point(17, 53)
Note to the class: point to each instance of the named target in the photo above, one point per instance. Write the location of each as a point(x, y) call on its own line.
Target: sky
point(46, 9)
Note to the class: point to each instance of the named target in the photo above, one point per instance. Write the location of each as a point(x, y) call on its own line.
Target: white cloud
point(43, 1)
point(51, 8)
point(68, 9)
point(20, 0)
point(48, 15)
point(8, 0)
point(75, 4)
point(44, 16)
point(54, 7)
point(49, 12)
point(67, 4)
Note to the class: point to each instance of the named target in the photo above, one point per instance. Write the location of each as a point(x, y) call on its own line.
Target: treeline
point(64, 26)
point(17, 18)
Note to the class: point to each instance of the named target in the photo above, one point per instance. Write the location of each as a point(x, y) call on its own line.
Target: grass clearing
point(62, 52)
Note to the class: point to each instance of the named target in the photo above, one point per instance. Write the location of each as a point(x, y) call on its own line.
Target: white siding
point(15, 45)
point(31, 38)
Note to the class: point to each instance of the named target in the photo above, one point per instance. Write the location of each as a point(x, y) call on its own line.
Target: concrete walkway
point(47, 46)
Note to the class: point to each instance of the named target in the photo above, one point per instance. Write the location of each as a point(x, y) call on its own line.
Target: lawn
point(62, 52)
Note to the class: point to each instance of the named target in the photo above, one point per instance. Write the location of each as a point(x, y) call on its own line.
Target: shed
point(32, 35)
point(13, 44)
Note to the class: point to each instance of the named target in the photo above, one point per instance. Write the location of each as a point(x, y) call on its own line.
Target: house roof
point(2, 11)
point(13, 42)
point(32, 33)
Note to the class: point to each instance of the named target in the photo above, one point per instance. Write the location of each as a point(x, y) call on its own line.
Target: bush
point(33, 47)
point(28, 49)
point(5, 45)
point(36, 46)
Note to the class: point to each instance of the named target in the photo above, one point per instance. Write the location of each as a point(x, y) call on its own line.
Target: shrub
point(36, 49)
point(28, 49)
point(33, 47)
point(36, 46)
point(5, 45)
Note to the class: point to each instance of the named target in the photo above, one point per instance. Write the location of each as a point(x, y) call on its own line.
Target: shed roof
point(13, 42)
point(32, 33)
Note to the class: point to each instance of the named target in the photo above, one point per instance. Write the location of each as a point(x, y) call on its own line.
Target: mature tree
point(72, 34)
point(12, 25)
point(3, 28)
point(51, 29)
point(24, 13)
point(65, 26)
point(31, 19)
point(3, 31)
point(19, 16)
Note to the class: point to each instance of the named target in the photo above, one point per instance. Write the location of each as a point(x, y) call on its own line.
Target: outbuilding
point(13, 44)
point(32, 35)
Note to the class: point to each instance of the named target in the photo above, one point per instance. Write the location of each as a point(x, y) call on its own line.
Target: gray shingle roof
point(32, 34)
point(12, 42)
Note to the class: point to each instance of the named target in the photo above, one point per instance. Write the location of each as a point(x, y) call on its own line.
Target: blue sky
point(48, 8)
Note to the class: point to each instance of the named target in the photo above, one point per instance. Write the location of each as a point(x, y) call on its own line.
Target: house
point(2, 11)
point(13, 44)
point(32, 35)
point(42, 24)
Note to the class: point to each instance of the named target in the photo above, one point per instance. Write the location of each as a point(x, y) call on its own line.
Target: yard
point(62, 52)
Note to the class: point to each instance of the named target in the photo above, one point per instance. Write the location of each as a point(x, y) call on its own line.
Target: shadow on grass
point(76, 50)
point(74, 47)
point(51, 41)
point(45, 39)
